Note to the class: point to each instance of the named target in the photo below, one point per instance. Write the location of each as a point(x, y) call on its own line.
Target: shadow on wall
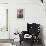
point(41, 34)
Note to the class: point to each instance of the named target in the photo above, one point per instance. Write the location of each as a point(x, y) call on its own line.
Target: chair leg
point(20, 42)
point(32, 42)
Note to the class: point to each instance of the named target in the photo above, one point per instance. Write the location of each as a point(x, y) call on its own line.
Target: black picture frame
point(19, 13)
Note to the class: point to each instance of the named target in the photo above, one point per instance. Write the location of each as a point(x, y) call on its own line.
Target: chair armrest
point(24, 32)
point(22, 35)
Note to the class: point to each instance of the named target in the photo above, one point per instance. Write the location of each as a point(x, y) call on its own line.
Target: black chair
point(32, 29)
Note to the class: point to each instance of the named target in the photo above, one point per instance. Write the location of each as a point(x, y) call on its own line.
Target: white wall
point(33, 12)
point(3, 21)
point(4, 34)
point(3, 1)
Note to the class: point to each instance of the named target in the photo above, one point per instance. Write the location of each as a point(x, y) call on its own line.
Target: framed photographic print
point(19, 13)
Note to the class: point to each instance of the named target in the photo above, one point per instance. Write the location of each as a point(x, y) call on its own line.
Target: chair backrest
point(33, 28)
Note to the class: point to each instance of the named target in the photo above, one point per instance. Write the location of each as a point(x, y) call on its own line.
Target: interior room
point(22, 23)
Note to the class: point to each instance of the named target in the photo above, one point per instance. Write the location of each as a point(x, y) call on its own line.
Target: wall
point(34, 11)
point(3, 1)
point(3, 7)
point(4, 34)
point(3, 21)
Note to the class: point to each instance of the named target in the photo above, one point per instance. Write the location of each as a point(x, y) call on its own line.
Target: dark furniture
point(33, 30)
